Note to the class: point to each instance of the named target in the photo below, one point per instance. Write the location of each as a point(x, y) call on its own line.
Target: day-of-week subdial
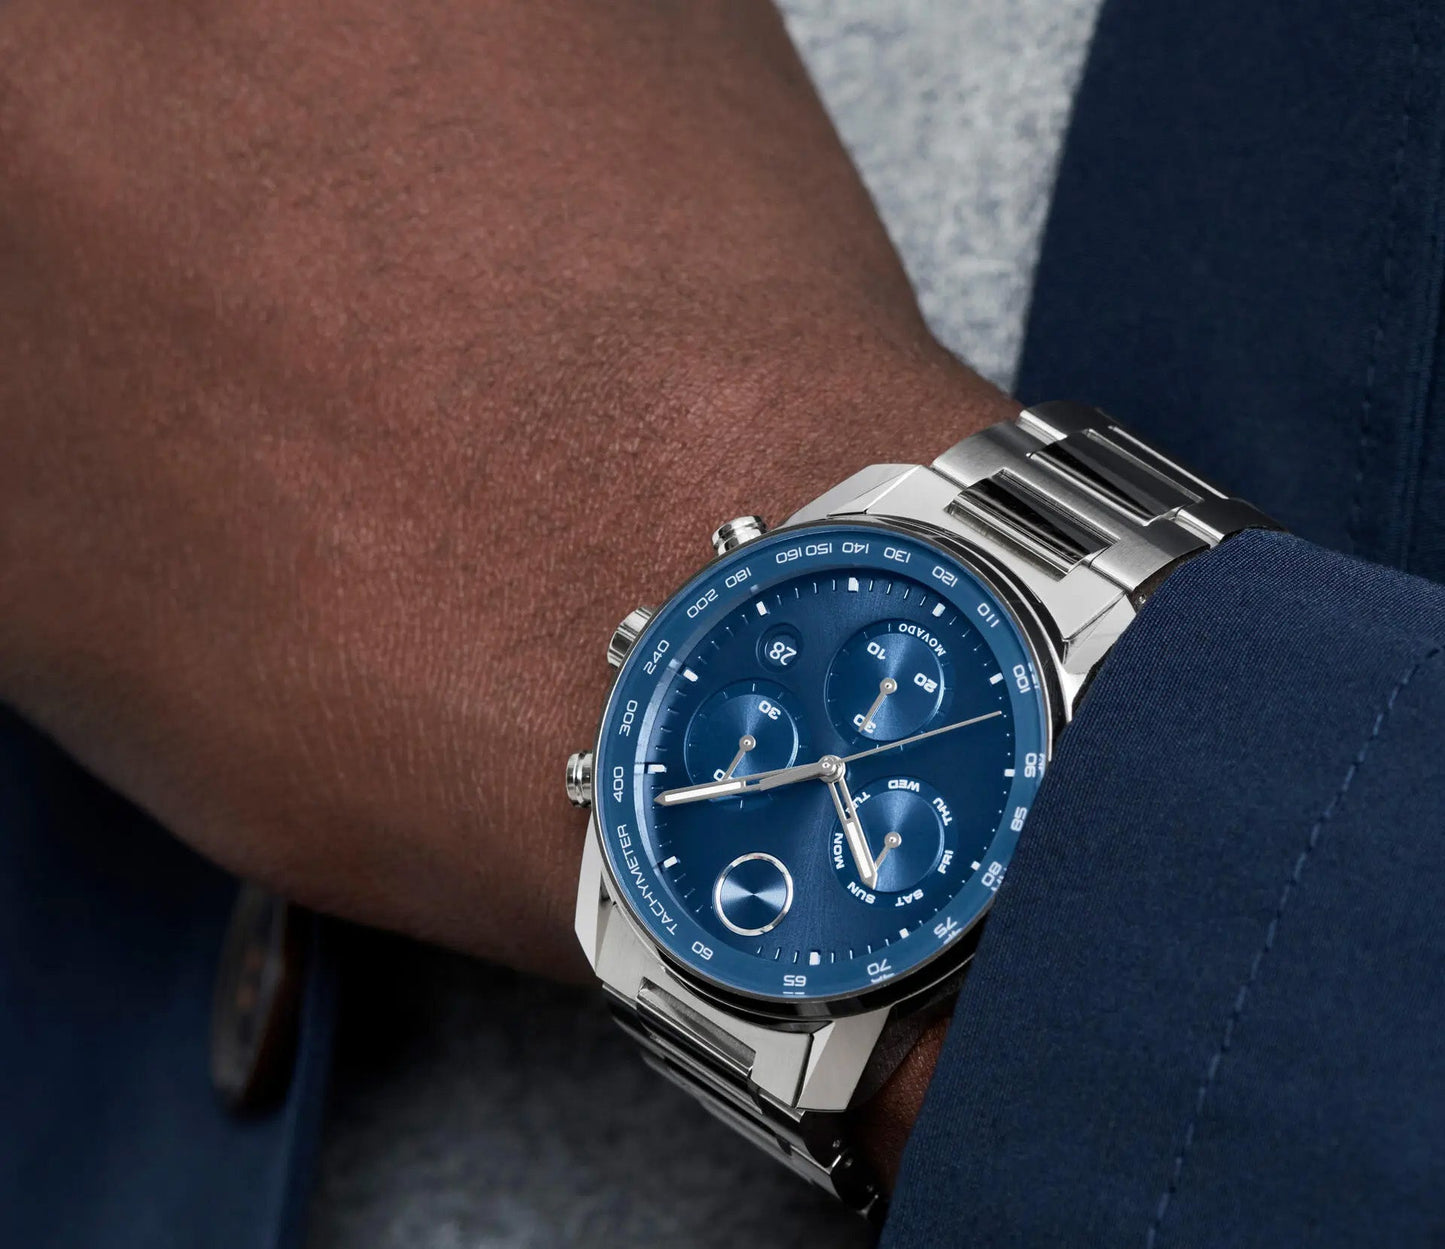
point(887, 681)
point(746, 727)
point(906, 825)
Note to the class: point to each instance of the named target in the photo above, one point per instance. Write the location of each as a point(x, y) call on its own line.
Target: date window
point(780, 647)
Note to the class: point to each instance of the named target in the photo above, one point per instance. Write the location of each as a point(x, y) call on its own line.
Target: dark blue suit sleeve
point(1208, 1006)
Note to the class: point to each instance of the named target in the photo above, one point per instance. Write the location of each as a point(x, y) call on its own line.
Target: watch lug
point(837, 1058)
point(1085, 650)
point(593, 903)
point(852, 496)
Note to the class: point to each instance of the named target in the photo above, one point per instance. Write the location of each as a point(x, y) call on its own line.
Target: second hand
point(918, 737)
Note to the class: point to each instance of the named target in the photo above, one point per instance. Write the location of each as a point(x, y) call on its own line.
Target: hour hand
point(853, 833)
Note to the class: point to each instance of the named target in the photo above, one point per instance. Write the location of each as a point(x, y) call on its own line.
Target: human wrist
point(884, 1122)
point(768, 437)
point(303, 559)
point(765, 439)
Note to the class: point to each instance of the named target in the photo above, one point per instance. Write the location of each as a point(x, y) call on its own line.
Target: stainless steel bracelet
point(1069, 487)
point(1089, 520)
point(716, 1068)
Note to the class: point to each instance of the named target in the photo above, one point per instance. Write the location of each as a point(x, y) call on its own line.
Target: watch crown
point(627, 633)
point(737, 532)
point(579, 778)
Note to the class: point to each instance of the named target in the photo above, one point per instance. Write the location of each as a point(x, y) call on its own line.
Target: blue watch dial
point(816, 761)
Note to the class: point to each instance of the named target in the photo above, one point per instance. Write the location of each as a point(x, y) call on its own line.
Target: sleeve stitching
point(1241, 997)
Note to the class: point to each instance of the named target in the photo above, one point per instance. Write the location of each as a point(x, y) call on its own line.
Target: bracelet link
point(714, 1069)
point(1066, 485)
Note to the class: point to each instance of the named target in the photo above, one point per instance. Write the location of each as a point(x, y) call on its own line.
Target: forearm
point(368, 332)
point(355, 363)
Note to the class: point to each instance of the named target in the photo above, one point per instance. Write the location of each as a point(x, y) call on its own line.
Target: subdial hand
point(885, 687)
point(890, 842)
point(746, 743)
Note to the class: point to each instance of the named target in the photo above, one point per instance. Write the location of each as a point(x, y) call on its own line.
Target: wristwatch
point(818, 755)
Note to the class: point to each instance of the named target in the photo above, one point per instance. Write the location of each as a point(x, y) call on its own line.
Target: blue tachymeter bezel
point(651, 667)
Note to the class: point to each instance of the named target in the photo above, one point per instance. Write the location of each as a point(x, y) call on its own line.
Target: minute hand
point(918, 737)
point(746, 784)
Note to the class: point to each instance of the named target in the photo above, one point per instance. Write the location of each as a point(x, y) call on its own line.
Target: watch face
point(816, 762)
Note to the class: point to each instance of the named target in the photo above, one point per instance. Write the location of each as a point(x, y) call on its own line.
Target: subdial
point(753, 894)
point(887, 681)
point(905, 822)
point(746, 727)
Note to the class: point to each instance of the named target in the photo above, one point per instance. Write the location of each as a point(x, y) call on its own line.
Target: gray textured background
point(475, 1109)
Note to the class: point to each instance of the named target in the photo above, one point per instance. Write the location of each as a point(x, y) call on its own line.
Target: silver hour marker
point(852, 585)
point(996, 678)
point(903, 932)
point(669, 862)
point(689, 674)
point(975, 865)
point(1008, 771)
point(814, 958)
point(940, 609)
point(762, 607)
point(656, 769)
